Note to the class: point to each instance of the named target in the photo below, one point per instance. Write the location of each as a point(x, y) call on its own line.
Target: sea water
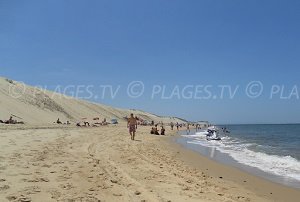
point(271, 149)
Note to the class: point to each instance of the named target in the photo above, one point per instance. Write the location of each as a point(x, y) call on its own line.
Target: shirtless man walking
point(132, 125)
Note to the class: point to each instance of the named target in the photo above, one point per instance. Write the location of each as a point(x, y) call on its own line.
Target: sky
point(183, 58)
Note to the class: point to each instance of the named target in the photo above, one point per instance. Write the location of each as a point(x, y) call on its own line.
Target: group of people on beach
point(155, 131)
point(187, 125)
point(132, 124)
point(85, 123)
point(11, 121)
point(178, 126)
point(59, 122)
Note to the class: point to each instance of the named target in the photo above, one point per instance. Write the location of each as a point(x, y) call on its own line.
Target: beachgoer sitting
point(78, 124)
point(86, 124)
point(104, 122)
point(154, 131)
point(58, 121)
point(162, 131)
point(11, 121)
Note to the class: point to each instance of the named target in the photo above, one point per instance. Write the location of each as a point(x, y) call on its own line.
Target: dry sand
point(38, 106)
point(103, 164)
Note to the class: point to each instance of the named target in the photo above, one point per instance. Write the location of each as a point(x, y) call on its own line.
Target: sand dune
point(36, 106)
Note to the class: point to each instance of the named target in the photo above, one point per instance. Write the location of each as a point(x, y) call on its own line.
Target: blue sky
point(195, 42)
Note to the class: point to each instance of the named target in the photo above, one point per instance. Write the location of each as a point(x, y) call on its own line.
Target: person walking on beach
point(132, 125)
point(188, 128)
point(177, 126)
point(197, 127)
point(172, 125)
point(163, 131)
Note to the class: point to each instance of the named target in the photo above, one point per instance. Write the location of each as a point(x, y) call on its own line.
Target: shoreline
point(263, 187)
point(92, 164)
point(226, 159)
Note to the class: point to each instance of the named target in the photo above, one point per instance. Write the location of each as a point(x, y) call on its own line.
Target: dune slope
point(35, 106)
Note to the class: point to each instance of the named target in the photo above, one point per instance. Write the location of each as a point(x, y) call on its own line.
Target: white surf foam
point(285, 166)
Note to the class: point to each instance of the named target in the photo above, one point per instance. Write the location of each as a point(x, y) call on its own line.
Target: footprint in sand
point(32, 190)
point(35, 164)
point(55, 194)
point(63, 178)
point(44, 179)
point(30, 180)
point(4, 187)
point(24, 199)
point(20, 198)
point(66, 186)
point(11, 198)
point(26, 174)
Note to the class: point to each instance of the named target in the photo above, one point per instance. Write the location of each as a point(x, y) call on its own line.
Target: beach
point(149, 101)
point(65, 163)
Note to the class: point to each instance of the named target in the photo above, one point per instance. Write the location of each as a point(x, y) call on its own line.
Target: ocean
point(271, 151)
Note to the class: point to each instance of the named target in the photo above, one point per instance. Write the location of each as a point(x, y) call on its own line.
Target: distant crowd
point(134, 121)
point(11, 121)
point(132, 124)
point(85, 123)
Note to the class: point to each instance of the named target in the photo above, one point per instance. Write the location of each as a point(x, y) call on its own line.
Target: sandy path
point(102, 164)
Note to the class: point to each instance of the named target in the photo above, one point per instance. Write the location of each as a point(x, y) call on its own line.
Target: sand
point(41, 161)
point(38, 106)
point(103, 164)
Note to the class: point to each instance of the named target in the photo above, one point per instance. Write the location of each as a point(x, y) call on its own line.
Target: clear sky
point(161, 42)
